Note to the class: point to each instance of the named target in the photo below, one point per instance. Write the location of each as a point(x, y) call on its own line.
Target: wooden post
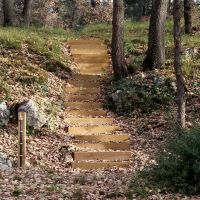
point(22, 139)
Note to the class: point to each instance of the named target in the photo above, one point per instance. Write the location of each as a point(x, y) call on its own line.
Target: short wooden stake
point(22, 139)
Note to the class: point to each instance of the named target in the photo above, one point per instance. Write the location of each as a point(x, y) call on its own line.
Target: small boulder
point(36, 118)
point(5, 163)
point(4, 114)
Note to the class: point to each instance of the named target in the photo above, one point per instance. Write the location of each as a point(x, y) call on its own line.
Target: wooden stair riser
point(90, 59)
point(92, 65)
point(90, 130)
point(88, 46)
point(122, 146)
point(109, 156)
point(94, 71)
point(83, 105)
point(101, 52)
point(86, 42)
point(82, 98)
point(86, 113)
point(84, 84)
point(88, 78)
point(102, 138)
point(82, 91)
point(88, 121)
point(99, 165)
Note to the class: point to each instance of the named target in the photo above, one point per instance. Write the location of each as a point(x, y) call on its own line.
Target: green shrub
point(178, 165)
point(146, 94)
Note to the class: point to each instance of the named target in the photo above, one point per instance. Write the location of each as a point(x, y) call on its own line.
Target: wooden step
point(103, 138)
point(85, 121)
point(89, 51)
point(93, 130)
point(109, 156)
point(90, 78)
point(83, 41)
point(88, 46)
point(87, 113)
point(91, 59)
point(84, 105)
point(84, 84)
point(121, 146)
point(98, 71)
point(82, 91)
point(100, 165)
point(92, 65)
point(82, 98)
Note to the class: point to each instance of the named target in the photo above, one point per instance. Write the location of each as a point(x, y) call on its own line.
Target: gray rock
point(36, 118)
point(191, 53)
point(5, 163)
point(4, 114)
point(116, 95)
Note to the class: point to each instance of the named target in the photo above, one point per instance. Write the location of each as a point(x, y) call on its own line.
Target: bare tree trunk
point(27, 11)
point(73, 19)
point(141, 8)
point(155, 57)
point(188, 16)
point(181, 100)
point(93, 3)
point(8, 10)
point(118, 60)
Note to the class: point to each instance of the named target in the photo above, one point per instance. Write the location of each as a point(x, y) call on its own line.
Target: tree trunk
point(73, 19)
point(181, 100)
point(118, 60)
point(8, 10)
point(188, 16)
point(93, 3)
point(155, 57)
point(27, 11)
point(141, 9)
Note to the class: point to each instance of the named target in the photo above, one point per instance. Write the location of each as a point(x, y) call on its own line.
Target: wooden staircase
point(97, 139)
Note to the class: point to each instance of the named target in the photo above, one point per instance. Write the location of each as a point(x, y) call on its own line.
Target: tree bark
point(27, 10)
point(118, 60)
point(188, 16)
point(73, 8)
point(141, 9)
point(155, 56)
point(8, 11)
point(181, 99)
point(93, 3)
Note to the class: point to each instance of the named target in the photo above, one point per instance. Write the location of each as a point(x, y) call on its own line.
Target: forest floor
point(26, 60)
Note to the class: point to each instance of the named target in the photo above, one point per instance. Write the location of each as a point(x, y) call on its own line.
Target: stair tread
point(89, 120)
point(103, 138)
point(75, 97)
point(107, 155)
point(84, 105)
point(84, 84)
point(87, 113)
point(91, 78)
point(105, 146)
point(92, 130)
point(99, 165)
point(83, 41)
point(92, 65)
point(81, 90)
point(91, 59)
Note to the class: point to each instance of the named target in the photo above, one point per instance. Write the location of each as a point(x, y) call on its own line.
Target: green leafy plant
point(178, 165)
point(80, 180)
point(17, 192)
point(146, 94)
